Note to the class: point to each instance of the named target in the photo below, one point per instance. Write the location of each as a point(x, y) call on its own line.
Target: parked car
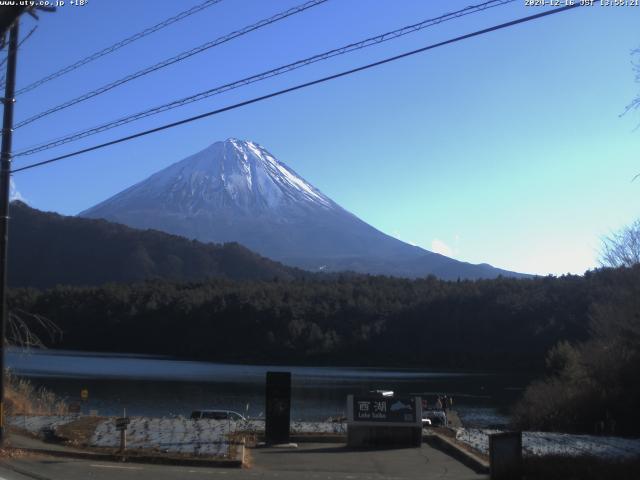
point(437, 418)
point(216, 415)
point(381, 393)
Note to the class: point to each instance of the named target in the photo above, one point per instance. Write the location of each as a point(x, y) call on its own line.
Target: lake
point(161, 386)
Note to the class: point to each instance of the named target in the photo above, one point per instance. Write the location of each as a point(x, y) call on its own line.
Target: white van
point(217, 415)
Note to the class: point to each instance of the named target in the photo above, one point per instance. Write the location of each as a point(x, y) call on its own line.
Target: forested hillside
point(47, 249)
point(592, 386)
point(501, 323)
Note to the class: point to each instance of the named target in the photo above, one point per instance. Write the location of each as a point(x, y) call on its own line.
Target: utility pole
point(5, 185)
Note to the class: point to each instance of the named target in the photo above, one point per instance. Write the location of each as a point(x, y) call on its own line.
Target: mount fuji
point(236, 191)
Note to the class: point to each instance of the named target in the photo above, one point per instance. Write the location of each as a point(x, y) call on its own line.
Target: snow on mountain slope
point(237, 191)
point(224, 175)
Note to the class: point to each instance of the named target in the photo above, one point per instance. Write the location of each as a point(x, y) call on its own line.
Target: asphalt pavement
point(309, 461)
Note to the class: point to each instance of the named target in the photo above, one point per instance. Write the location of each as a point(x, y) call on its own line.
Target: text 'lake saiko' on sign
point(376, 409)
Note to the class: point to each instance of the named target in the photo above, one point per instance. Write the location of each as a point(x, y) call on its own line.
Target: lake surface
point(160, 386)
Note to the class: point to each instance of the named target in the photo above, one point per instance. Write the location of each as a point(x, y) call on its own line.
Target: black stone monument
point(278, 407)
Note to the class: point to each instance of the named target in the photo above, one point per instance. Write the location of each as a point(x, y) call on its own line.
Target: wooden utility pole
point(5, 187)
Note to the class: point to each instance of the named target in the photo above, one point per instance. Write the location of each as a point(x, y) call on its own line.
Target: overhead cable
point(116, 46)
point(299, 86)
point(170, 61)
point(261, 76)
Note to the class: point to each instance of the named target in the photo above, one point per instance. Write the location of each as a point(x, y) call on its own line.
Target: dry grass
point(12, 453)
point(23, 398)
point(248, 459)
point(250, 439)
point(237, 440)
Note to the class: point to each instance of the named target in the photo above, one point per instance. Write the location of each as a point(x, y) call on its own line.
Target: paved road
point(310, 461)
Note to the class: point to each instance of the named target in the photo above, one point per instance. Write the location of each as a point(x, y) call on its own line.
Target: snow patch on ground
point(543, 443)
point(169, 435)
point(37, 423)
point(197, 437)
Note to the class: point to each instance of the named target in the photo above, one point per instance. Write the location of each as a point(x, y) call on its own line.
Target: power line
point(261, 76)
point(170, 61)
point(4, 60)
point(300, 86)
point(119, 45)
point(26, 37)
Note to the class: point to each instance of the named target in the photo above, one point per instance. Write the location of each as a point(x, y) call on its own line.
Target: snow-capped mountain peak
point(230, 174)
point(282, 177)
point(236, 191)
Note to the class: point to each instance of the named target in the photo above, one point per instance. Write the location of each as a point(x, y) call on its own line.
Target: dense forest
point(592, 386)
point(47, 249)
point(343, 319)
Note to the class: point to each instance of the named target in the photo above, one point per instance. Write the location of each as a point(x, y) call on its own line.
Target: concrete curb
point(448, 446)
point(313, 438)
point(319, 438)
point(151, 459)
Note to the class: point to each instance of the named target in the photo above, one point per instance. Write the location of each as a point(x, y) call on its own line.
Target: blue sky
point(507, 148)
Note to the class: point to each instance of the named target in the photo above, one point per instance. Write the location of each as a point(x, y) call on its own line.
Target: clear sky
point(507, 148)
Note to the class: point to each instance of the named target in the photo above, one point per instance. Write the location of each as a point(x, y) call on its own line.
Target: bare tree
point(622, 249)
point(26, 329)
point(635, 103)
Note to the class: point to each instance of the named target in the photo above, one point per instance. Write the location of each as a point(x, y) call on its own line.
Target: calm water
point(163, 386)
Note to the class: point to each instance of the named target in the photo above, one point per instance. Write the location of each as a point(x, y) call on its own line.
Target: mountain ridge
point(47, 249)
point(235, 190)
